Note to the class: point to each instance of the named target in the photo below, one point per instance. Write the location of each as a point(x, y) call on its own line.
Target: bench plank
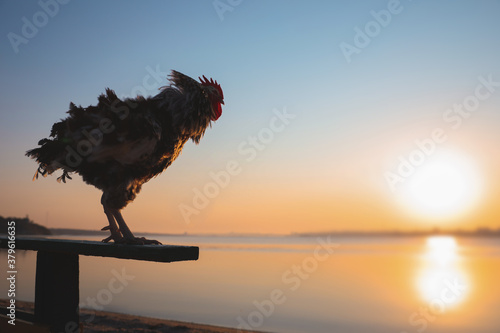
point(158, 253)
point(57, 272)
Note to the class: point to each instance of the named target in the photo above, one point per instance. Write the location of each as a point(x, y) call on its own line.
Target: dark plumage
point(118, 145)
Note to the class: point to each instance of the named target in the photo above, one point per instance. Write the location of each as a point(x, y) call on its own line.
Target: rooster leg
point(116, 235)
point(113, 227)
point(128, 236)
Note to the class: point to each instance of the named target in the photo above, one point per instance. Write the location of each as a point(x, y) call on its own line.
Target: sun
point(446, 185)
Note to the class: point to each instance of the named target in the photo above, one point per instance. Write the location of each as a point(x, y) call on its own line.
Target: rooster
point(118, 145)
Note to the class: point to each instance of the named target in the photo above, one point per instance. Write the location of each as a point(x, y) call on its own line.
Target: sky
point(338, 115)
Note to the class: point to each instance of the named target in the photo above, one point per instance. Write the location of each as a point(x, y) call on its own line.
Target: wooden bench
point(57, 291)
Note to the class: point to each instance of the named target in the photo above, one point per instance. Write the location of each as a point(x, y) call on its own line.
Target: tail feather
point(52, 152)
point(63, 177)
point(48, 156)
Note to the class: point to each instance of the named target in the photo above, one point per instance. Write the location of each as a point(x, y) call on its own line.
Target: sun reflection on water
point(442, 282)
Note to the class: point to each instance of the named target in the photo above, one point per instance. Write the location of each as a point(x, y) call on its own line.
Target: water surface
point(301, 284)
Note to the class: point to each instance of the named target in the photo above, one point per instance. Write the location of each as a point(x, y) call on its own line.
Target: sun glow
point(446, 185)
point(442, 283)
point(441, 249)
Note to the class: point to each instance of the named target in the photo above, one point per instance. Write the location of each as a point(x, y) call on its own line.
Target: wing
point(125, 131)
point(126, 153)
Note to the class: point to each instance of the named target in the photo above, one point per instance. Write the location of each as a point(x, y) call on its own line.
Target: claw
point(138, 241)
point(114, 236)
point(107, 239)
point(150, 241)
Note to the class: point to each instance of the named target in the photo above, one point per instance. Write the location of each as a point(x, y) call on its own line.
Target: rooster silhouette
point(118, 145)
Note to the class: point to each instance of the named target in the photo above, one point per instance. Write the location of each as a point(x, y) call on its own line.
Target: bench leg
point(57, 291)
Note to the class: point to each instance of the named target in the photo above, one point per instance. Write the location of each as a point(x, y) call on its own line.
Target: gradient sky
point(325, 169)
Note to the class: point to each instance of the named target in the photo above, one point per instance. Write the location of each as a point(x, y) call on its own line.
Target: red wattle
point(218, 110)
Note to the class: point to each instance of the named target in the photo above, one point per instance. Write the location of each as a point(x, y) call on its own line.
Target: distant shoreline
point(481, 232)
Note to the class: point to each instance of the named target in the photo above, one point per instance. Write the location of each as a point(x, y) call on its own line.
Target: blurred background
point(361, 82)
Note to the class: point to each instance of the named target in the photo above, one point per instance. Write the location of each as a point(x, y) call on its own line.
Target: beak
point(222, 102)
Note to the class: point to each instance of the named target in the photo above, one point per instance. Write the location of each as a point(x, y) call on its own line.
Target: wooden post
point(56, 291)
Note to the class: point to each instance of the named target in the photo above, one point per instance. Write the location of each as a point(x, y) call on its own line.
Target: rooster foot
point(115, 236)
point(137, 241)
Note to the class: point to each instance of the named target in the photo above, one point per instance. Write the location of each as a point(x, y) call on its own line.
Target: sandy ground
point(116, 322)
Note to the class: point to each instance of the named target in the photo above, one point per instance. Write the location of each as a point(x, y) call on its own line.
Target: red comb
point(212, 83)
